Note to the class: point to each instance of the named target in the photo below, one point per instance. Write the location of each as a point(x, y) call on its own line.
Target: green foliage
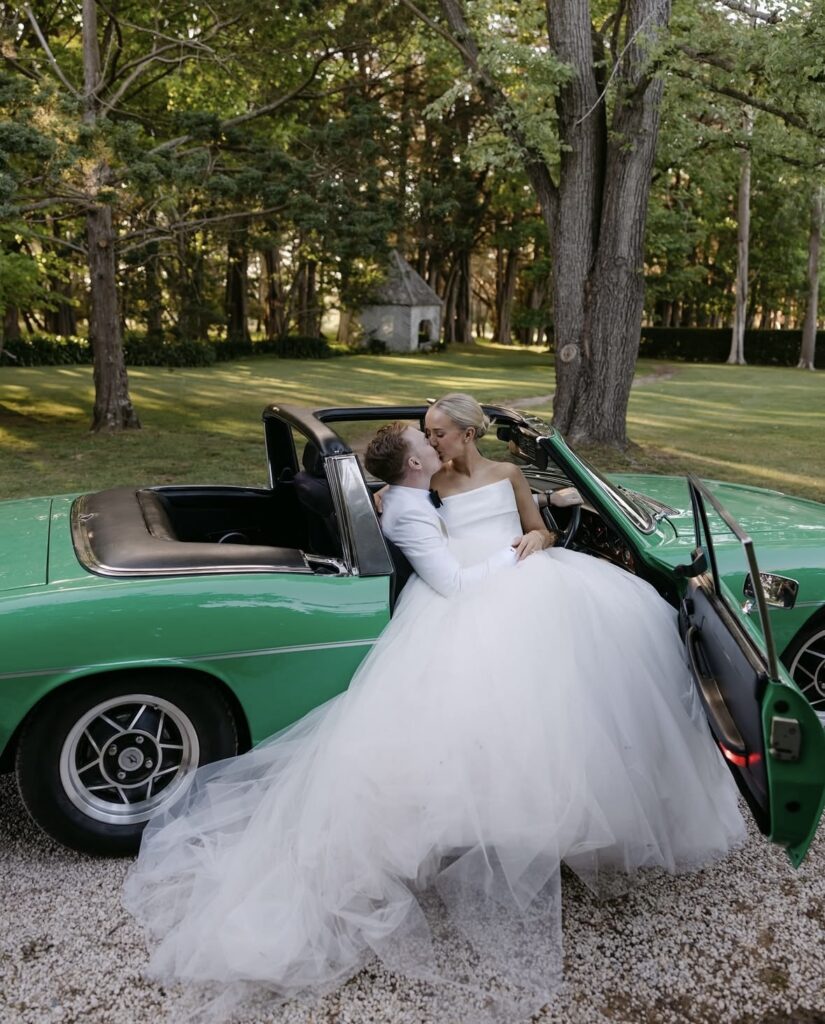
point(46, 350)
point(139, 350)
point(20, 280)
point(390, 144)
point(290, 347)
point(705, 345)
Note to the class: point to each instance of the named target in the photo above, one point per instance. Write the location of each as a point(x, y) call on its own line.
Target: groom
point(401, 455)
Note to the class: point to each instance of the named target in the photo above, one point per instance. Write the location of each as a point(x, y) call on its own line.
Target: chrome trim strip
point(333, 474)
point(201, 570)
point(264, 652)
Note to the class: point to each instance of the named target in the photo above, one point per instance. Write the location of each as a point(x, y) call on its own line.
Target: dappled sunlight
point(9, 441)
point(752, 472)
point(756, 425)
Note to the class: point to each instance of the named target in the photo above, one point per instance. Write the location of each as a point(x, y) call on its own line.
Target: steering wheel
point(564, 537)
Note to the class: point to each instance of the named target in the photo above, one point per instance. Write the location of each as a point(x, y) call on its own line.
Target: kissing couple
point(526, 707)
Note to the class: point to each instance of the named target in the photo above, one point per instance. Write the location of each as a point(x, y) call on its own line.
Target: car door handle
point(721, 718)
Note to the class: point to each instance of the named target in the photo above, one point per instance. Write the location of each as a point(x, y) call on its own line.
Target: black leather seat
point(314, 495)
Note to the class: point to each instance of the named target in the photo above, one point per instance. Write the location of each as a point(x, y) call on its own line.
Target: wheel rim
point(128, 756)
point(808, 671)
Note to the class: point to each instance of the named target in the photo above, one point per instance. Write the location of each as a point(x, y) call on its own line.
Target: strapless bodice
point(481, 521)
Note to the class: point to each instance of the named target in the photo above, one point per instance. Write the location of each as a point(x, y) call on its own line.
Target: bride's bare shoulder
point(502, 470)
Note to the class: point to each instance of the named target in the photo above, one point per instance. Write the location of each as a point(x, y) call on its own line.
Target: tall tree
point(743, 237)
point(591, 180)
point(113, 405)
point(807, 352)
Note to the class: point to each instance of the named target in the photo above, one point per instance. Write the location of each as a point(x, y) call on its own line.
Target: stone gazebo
point(404, 309)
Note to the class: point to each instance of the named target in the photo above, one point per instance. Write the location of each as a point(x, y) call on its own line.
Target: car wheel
point(96, 761)
point(805, 660)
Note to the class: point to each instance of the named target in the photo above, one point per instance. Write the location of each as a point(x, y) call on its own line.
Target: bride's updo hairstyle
point(464, 411)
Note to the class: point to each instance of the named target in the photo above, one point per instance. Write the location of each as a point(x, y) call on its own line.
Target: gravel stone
point(740, 942)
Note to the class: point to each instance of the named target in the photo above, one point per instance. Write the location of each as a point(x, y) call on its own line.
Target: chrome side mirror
point(780, 591)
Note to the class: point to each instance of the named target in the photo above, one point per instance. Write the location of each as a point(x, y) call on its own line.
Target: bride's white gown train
point(546, 716)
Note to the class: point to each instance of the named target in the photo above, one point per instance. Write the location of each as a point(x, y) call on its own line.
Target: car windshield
point(630, 503)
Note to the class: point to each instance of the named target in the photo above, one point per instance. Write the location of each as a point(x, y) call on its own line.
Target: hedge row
point(50, 350)
point(712, 345)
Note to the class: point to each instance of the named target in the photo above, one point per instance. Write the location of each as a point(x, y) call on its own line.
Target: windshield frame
point(636, 513)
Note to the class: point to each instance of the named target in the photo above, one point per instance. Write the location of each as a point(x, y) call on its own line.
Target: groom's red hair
point(387, 452)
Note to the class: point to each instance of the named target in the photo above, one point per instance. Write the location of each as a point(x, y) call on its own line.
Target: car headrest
point(313, 492)
point(312, 460)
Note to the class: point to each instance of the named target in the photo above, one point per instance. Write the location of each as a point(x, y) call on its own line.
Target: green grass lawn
point(752, 424)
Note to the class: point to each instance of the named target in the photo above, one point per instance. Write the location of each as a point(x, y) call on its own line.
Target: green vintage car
point(147, 630)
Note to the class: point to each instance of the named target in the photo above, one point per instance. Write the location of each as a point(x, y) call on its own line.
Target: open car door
point(767, 731)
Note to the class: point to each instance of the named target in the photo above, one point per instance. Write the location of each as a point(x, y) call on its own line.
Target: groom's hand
point(377, 500)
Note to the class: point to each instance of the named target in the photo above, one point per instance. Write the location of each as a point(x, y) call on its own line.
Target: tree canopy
point(559, 173)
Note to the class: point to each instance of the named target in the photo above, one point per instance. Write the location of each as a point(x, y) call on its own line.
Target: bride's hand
point(532, 541)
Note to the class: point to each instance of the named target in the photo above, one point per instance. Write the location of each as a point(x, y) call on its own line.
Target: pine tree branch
point(771, 17)
point(47, 50)
point(267, 108)
point(140, 65)
point(435, 27)
point(143, 237)
point(461, 38)
point(788, 116)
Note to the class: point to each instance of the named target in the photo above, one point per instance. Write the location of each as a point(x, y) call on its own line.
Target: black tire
point(804, 658)
point(100, 757)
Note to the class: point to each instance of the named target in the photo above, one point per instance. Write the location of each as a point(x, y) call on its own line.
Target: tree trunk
point(307, 319)
point(273, 299)
point(448, 321)
point(807, 352)
point(596, 213)
point(463, 321)
point(597, 242)
point(737, 344)
point(62, 318)
point(237, 307)
point(154, 293)
point(113, 406)
point(193, 316)
point(506, 278)
point(11, 314)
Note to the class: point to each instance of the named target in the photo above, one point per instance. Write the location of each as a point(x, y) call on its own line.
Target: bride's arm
point(536, 536)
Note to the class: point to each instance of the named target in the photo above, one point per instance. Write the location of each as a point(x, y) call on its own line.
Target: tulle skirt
point(546, 717)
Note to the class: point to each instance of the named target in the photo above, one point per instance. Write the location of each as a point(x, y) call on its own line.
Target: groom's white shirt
point(410, 520)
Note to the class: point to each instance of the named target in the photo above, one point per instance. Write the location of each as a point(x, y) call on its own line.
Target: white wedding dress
point(545, 716)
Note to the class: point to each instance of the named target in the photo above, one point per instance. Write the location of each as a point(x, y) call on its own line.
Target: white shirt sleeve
point(419, 534)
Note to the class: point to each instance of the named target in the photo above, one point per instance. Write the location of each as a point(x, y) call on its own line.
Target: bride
point(526, 707)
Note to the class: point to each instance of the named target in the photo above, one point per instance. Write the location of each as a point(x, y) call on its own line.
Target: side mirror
point(779, 591)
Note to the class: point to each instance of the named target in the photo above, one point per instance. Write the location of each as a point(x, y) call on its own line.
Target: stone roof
point(403, 286)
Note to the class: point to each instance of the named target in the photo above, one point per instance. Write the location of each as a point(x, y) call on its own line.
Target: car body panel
point(790, 532)
point(773, 742)
point(24, 527)
point(302, 636)
point(281, 641)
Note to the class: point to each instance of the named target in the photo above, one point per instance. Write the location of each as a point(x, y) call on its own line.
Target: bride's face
point(448, 439)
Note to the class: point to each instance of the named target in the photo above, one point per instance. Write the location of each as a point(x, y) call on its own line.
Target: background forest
point(184, 174)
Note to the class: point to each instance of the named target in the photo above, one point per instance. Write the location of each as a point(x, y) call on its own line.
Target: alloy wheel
point(127, 756)
point(808, 671)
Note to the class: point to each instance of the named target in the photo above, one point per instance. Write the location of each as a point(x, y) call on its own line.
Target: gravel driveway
point(740, 942)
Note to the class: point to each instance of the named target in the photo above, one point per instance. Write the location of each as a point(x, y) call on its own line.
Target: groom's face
point(419, 447)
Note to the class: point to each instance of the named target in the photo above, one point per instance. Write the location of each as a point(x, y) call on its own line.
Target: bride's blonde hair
point(464, 411)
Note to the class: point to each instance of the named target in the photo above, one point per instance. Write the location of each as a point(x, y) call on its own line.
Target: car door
point(770, 736)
